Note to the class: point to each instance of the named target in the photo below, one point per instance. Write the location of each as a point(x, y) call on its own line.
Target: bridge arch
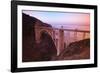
point(46, 31)
point(39, 30)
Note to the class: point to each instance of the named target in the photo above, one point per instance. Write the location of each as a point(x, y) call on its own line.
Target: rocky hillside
point(76, 51)
point(31, 51)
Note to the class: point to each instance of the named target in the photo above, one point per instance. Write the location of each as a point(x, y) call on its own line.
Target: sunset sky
point(66, 19)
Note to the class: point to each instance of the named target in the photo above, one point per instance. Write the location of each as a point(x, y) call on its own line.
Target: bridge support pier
point(61, 40)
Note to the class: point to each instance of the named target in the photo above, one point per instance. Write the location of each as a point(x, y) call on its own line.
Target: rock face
point(76, 51)
point(31, 51)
